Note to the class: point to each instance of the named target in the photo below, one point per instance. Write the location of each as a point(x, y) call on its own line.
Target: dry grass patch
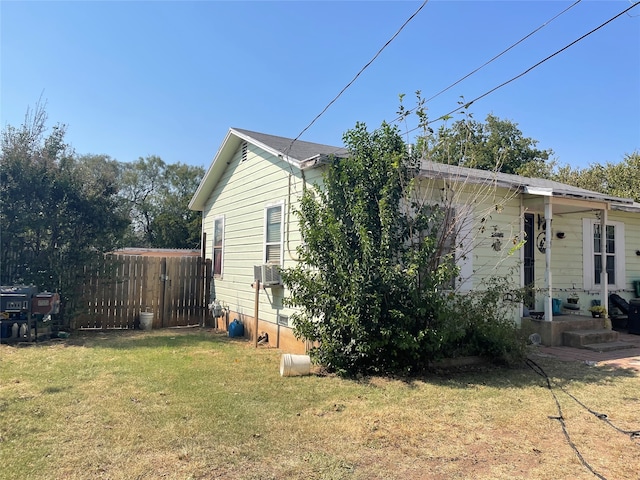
point(194, 404)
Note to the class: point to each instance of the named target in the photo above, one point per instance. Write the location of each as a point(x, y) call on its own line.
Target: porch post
point(548, 216)
point(604, 276)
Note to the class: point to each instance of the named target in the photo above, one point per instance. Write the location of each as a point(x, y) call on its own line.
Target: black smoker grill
point(23, 311)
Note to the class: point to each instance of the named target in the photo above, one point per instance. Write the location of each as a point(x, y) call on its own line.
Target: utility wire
point(633, 434)
point(538, 369)
point(466, 105)
point(495, 57)
point(359, 73)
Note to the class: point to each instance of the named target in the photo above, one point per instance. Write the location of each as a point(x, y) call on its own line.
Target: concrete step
point(608, 347)
point(581, 338)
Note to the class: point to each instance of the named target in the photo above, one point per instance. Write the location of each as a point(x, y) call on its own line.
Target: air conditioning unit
point(268, 275)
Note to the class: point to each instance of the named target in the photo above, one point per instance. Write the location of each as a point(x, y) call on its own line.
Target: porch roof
point(525, 185)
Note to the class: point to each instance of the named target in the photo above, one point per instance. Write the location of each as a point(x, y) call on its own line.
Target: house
point(536, 232)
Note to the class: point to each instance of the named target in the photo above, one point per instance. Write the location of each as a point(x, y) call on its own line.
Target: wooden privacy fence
point(175, 289)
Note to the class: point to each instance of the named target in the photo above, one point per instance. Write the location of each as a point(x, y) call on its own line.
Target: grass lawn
point(194, 404)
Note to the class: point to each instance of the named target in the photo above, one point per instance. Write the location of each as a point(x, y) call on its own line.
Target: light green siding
point(568, 257)
point(490, 243)
point(490, 225)
point(244, 191)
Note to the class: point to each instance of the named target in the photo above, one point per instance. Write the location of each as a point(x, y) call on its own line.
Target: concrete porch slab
point(609, 346)
point(551, 331)
point(582, 338)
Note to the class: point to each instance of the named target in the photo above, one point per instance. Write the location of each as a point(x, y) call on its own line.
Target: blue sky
point(132, 79)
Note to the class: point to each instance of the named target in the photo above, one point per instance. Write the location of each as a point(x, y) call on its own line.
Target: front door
point(529, 260)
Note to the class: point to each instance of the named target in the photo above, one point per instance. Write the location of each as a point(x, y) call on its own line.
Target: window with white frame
point(611, 259)
point(218, 245)
point(273, 233)
point(454, 238)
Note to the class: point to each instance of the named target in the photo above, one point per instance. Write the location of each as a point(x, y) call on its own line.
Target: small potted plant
point(573, 299)
point(598, 311)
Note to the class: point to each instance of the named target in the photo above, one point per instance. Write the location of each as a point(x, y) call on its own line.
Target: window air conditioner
point(268, 275)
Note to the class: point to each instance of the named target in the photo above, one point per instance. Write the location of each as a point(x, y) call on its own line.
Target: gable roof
point(297, 151)
point(304, 155)
point(300, 154)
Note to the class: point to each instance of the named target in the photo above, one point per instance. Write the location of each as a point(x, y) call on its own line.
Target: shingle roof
point(298, 150)
point(433, 169)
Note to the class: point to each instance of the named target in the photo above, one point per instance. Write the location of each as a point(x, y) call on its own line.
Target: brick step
point(581, 338)
point(608, 347)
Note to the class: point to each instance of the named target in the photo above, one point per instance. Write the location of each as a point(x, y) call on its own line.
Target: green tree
point(623, 179)
point(357, 302)
point(157, 196)
point(496, 145)
point(57, 210)
point(616, 179)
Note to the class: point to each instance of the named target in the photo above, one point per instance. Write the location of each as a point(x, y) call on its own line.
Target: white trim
point(542, 191)
point(268, 206)
point(213, 247)
point(588, 254)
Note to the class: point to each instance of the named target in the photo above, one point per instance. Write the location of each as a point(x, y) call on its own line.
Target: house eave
point(634, 207)
point(281, 149)
point(530, 187)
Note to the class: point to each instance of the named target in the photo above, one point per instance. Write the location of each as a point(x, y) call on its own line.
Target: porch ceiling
point(563, 205)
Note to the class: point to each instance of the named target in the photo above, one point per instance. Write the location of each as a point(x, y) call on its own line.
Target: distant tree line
point(499, 145)
point(60, 210)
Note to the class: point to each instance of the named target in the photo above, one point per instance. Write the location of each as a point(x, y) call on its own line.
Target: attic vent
point(244, 152)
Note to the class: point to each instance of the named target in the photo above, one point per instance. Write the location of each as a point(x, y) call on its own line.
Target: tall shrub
point(373, 263)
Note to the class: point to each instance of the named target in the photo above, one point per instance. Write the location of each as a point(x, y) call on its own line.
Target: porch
point(552, 333)
point(626, 358)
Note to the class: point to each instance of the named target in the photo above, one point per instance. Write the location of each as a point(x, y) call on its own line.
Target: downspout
point(522, 285)
point(287, 221)
point(256, 312)
point(548, 216)
point(604, 276)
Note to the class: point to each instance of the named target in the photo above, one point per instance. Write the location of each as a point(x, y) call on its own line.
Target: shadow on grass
point(516, 376)
point(161, 338)
point(520, 375)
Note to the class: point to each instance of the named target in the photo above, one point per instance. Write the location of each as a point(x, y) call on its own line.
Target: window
point(273, 232)
point(218, 243)
point(454, 239)
point(612, 259)
point(607, 258)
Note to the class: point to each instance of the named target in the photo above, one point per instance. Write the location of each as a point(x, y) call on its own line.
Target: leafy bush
point(376, 267)
point(480, 324)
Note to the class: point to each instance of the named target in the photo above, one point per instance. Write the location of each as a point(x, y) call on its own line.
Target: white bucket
point(294, 365)
point(146, 320)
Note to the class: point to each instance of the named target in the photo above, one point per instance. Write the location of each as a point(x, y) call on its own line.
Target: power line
point(360, 72)
point(560, 417)
point(466, 105)
point(496, 56)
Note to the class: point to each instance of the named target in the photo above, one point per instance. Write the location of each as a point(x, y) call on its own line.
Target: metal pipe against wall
point(256, 284)
point(548, 216)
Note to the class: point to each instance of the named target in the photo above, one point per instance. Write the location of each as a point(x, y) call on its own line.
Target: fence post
point(163, 290)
